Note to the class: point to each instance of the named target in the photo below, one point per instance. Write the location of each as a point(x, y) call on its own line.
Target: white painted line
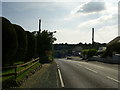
point(91, 70)
point(79, 65)
point(57, 66)
point(91, 64)
point(61, 80)
point(113, 79)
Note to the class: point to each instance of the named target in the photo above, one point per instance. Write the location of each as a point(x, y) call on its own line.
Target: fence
point(32, 62)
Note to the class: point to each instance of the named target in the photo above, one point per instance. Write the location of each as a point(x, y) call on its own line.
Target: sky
point(72, 21)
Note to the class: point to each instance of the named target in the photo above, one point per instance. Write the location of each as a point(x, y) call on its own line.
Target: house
point(115, 40)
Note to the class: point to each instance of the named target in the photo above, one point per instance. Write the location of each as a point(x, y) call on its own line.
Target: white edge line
point(113, 79)
point(60, 76)
point(91, 70)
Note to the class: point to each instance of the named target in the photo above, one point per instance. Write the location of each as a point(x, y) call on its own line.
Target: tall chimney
point(92, 35)
point(39, 25)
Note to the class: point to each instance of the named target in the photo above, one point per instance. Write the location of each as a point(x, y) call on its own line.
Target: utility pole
point(39, 25)
point(92, 35)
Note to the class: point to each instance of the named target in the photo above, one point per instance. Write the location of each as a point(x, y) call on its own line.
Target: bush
point(30, 46)
point(9, 42)
point(22, 43)
point(89, 52)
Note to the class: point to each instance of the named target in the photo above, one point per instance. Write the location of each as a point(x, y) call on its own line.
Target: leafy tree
point(22, 43)
point(9, 42)
point(45, 41)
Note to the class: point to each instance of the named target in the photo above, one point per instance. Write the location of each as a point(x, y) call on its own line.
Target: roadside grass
point(20, 76)
point(11, 70)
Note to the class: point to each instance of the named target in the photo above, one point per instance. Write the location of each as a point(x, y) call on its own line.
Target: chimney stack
point(39, 25)
point(92, 35)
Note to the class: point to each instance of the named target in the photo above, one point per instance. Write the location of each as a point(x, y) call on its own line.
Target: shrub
point(89, 52)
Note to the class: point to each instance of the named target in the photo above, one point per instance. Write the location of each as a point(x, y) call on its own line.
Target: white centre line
point(79, 65)
point(91, 70)
point(113, 79)
point(91, 64)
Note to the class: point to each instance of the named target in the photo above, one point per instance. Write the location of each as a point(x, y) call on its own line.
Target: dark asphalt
point(81, 74)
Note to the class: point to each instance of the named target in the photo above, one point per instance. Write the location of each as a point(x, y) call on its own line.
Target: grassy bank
point(10, 81)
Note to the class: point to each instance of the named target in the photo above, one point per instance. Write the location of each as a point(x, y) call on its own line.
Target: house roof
point(115, 40)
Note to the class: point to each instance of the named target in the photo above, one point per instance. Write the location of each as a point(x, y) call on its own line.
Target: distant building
point(101, 49)
point(114, 46)
point(77, 50)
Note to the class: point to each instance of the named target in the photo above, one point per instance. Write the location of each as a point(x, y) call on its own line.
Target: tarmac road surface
point(81, 74)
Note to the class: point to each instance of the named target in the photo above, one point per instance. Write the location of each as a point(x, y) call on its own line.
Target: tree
point(22, 43)
point(45, 41)
point(9, 42)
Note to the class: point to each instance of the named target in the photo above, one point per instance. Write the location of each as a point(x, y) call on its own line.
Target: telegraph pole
point(92, 35)
point(39, 25)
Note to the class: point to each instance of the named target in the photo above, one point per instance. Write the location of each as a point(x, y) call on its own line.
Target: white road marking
point(91, 64)
point(79, 65)
point(91, 70)
point(60, 76)
point(113, 79)
point(58, 66)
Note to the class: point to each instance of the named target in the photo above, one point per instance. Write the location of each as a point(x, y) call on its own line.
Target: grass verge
point(10, 81)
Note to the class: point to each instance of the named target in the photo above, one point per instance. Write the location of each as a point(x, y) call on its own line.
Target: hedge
point(30, 46)
point(9, 42)
point(22, 43)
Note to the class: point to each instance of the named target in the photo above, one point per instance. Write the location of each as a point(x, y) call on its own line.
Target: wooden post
point(15, 72)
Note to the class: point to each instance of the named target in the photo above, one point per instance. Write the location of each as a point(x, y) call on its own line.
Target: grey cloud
point(92, 7)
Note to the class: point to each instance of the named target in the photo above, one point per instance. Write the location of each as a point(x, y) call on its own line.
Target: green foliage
point(92, 52)
point(89, 52)
point(19, 45)
point(9, 42)
point(85, 51)
point(30, 46)
point(22, 43)
point(45, 41)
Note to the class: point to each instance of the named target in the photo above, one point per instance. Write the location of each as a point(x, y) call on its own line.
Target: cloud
point(106, 33)
point(87, 9)
point(91, 7)
point(102, 21)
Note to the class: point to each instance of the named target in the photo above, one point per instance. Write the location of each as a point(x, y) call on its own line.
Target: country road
point(81, 74)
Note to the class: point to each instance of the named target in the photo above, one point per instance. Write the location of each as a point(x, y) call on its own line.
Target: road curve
point(80, 74)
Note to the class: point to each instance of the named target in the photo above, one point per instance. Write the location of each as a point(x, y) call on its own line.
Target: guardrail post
point(15, 72)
